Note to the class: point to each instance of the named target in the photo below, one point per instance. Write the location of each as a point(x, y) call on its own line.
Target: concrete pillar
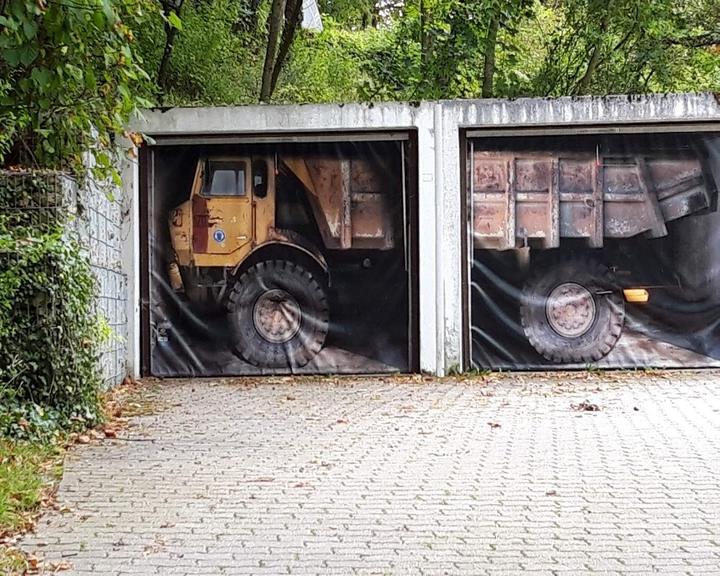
point(430, 269)
point(130, 230)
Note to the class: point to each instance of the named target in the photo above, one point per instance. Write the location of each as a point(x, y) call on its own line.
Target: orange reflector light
point(636, 295)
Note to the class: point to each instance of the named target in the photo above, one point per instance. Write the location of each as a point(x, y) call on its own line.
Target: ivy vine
point(49, 331)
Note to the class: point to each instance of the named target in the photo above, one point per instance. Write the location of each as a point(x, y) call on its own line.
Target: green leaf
point(28, 54)
point(30, 28)
point(109, 12)
point(42, 77)
point(9, 23)
point(90, 79)
point(12, 56)
point(174, 21)
point(99, 19)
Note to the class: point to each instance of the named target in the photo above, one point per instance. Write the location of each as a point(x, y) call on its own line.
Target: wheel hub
point(277, 316)
point(570, 310)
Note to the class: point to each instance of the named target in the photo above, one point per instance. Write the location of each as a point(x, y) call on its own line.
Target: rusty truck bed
point(535, 198)
point(348, 199)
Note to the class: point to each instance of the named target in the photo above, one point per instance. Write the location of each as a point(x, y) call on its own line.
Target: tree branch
point(293, 17)
point(489, 63)
point(700, 41)
point(170, 33)
point(274, 26)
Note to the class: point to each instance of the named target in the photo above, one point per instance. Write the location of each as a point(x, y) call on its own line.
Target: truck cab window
point(225, 179)
point(260, 178)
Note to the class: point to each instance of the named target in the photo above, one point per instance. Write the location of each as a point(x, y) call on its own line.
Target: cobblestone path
point(385, 476)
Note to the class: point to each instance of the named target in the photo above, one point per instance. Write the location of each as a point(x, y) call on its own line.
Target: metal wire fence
point(41, 200)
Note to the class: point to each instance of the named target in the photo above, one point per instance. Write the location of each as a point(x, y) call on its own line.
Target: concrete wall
point(439, 126)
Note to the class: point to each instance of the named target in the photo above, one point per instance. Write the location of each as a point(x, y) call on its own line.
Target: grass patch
point(12, 561)
point(28, 473)
point(26, 470)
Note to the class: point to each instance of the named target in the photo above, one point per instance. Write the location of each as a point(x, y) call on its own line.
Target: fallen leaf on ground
point(585, 407)
point(33, 562)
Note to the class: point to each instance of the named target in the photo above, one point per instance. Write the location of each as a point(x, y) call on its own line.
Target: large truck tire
point(572, 311)
point(279, 314)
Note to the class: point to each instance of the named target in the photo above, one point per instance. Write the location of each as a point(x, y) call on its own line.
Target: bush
point(210, 63)
point(49, 332)
point(70, 77)
point(329, 66)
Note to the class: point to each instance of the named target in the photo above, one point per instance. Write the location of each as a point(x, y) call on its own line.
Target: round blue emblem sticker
point(219, 236)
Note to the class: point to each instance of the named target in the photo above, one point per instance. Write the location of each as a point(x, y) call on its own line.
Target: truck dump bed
point(534, 199)
point(349, 200)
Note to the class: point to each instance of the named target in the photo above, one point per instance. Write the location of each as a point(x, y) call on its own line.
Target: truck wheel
point(279, 315)
point(572, 312)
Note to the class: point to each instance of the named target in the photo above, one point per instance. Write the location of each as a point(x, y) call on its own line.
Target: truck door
point(222, 209)
point(263, 179)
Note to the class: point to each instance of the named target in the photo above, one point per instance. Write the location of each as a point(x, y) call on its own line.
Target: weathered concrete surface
point(620, 109)
point(381, 477)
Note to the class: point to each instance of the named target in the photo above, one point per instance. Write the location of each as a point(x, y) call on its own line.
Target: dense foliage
point(427, 49)
point(49, 333)
point(71, 67)
point(69, 77)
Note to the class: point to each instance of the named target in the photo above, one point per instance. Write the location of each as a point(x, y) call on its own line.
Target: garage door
point(279, 255)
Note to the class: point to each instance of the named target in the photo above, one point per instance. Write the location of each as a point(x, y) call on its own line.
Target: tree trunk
point(424, 37)
point(489, 64)
point(584, 84)
point(293, 17)
point(170, 33)
point(275, 21)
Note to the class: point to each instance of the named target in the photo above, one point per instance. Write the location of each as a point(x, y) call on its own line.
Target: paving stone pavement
point(385, 476)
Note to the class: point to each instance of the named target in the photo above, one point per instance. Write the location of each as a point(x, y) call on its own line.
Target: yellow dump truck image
point(228, 245)
point(572, 210)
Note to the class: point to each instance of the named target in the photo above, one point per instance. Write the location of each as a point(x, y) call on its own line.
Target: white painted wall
point(130, 237)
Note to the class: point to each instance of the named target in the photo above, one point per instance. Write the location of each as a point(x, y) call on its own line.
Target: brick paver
point(379, 476)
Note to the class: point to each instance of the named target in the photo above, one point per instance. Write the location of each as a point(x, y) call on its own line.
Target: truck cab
point(231, 209)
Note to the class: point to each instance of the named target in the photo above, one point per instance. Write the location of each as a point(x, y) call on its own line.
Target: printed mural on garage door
point(279, 258)
point(596, 249)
